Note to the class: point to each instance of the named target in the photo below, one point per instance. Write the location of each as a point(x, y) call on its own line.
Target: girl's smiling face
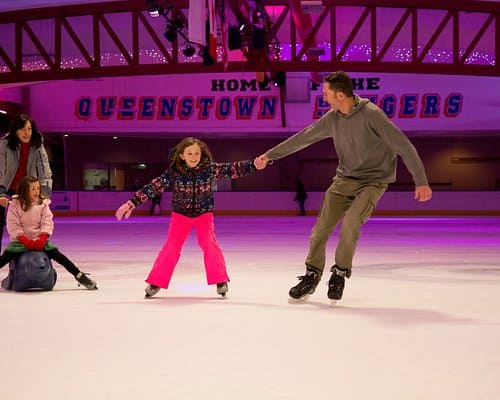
point(191, 155)
point(35, 191)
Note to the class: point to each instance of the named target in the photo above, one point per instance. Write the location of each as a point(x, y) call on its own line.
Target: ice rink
point(420, 318)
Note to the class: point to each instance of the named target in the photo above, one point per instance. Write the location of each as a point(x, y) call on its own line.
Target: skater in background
point(367, 145)
point(30, 224)
point(190, 176)
point(300, 197)
point(22, 153)
point(155, 201)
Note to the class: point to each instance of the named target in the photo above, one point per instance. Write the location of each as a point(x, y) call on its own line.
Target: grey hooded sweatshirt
point(366, 141)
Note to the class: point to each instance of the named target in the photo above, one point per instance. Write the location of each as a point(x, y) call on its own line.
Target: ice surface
point(419, 320)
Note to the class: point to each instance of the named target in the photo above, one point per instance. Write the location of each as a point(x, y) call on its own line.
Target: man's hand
point(261, 161)
point(423, 193)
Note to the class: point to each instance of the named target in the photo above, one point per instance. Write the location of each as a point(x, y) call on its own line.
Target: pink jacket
point(29, 223)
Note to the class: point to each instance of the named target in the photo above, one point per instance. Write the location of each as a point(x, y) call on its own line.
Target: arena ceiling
point(9, 5)
point(67, 39)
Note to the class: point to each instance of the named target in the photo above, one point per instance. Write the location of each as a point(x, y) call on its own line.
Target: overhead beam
point(300, 30)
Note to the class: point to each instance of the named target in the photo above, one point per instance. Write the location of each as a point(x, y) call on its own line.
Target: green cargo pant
point(351, 200)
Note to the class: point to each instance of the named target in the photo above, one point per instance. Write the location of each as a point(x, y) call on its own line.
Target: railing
point(120, 39)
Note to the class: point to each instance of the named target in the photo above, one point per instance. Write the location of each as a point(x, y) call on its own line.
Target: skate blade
point(293, 300)
point(333, 303)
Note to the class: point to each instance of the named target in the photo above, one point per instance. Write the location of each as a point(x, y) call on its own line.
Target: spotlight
point(154, 13)
point(259, 17)
point(153, 9)
point(177, 23)
point(207, 58)
point(189, 51)
point(280, 79)
point(258, 37)
point(170, 32)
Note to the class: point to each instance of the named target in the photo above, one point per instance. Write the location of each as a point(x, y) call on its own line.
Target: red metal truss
point(118, 38)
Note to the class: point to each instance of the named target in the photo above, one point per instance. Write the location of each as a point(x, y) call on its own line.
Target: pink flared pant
point(178, 231)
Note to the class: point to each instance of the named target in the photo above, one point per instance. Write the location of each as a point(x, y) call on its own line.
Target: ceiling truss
point(34, 43)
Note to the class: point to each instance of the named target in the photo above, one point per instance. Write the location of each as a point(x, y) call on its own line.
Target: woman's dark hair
point(23, 191)
point(20, 122)
point(179, 163)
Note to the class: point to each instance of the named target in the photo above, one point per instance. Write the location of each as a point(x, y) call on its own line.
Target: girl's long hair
point(179, 163)
point(23, 192)
point(19, 122)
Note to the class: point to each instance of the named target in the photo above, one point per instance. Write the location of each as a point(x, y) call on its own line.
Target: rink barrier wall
point(281, 203)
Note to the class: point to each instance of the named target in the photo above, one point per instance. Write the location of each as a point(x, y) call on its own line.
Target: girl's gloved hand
point(124, 210)
point(28, 243)
point(41, 241)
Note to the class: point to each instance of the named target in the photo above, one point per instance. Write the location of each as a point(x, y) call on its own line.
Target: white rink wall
point(277, 203)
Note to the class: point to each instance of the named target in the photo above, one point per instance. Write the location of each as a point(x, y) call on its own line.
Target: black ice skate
point(222, 289)
point(305, 287)
point(84, 280)
point(151, 290)
point(337, 282)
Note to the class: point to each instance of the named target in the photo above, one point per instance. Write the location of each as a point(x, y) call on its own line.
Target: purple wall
point(460, 163)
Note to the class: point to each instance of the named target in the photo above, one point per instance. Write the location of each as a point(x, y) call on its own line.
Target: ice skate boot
point(337, 282)
point(151, 290)
point(222, 289)
point(84, 280)
point(305, 287)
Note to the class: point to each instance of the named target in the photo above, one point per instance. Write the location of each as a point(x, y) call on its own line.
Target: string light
point(282, 52)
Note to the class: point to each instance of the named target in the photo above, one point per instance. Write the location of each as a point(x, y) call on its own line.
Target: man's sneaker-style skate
point(151, 290)
point(222, 289)
point(305, 287)
point(84, 280)
point(337, 282)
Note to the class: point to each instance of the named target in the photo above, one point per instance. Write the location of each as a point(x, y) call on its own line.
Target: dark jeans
point(53, 254)
point(2, 224)
point(3, 212)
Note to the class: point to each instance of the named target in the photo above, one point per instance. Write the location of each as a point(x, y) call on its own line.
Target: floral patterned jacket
point(192, 191)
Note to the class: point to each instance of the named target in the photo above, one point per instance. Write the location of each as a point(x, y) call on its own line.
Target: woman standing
point(22, 153)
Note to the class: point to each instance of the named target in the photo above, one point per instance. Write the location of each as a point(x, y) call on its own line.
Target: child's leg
point(215, 264)
point(2, 223)
point(59, 257)
point(56, 255)
point(7, 256)
point(163, 268)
